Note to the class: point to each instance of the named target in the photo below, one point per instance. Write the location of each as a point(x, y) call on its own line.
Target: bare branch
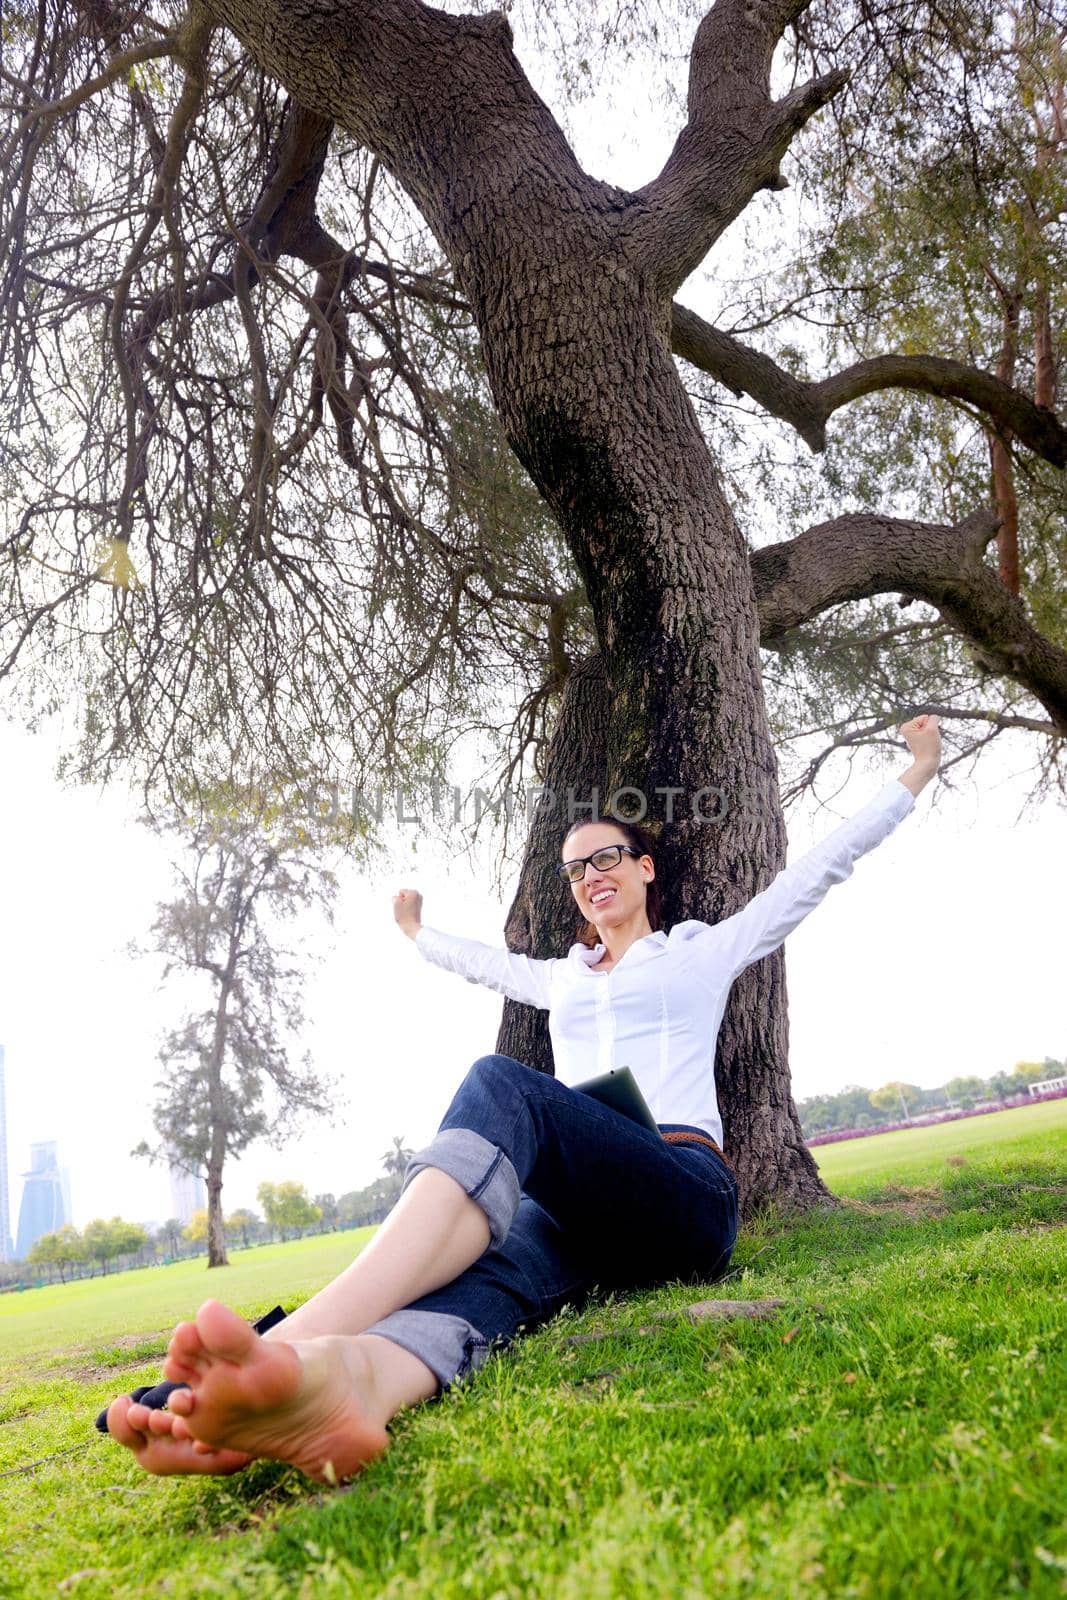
point(117, 68)
point(853, 557)
point(1037, 427)
point(807, 406)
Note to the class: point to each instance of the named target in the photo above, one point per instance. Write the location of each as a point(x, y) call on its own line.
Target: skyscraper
point(45, 1198)
point(188, 1193)
point(5, 1209)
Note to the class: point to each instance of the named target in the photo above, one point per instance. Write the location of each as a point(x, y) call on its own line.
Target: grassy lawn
point(914, 1155)
point(897, 1428)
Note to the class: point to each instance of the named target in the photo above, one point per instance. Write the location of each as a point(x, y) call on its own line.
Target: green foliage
point(61, 1249)
point(287, 1207)
point(368, 1204)
point(106, 1241)
point(857, 1107)
point(895, 1098)
point(244, 1225)
point(933, 187)
point(230, 1074)
point(196, 1228)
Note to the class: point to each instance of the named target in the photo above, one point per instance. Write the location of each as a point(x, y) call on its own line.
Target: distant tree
point(327, 1205)
point(169, 1235)
point(195, 1229)
point(243, 1224)
point(896, 1099)
point(1027, 1072)
point(106, 1241)
point(60, 1250)
point(286, 1207)
point(967, 1090)
point(127, 1238)
point(360, 1206)
point(229, 1076)
point(395, 1162)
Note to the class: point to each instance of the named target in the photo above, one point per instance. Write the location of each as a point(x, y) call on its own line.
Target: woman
point(529, 1194)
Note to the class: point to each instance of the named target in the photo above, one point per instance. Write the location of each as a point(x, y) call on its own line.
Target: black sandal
point(155, 1396)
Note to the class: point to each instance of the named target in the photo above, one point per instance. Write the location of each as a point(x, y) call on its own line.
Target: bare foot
point(313, 1403)
point(159, 1449)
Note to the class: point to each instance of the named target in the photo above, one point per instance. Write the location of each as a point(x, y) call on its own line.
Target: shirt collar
point(643, 949)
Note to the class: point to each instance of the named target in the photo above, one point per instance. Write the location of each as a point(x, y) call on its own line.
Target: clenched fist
point(923, 739)
point(407, 909)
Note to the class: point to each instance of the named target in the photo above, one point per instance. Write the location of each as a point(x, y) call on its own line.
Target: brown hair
point(642, 840)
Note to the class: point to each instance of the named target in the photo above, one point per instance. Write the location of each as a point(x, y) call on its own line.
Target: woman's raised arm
point(521, 978)
point(764, 923)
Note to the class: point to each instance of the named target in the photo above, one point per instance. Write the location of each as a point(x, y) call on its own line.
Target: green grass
point(153, 1299)
point(896, 1429)
point(914, 1155)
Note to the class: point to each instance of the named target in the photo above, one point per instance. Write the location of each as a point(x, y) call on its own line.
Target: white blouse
point(659, 1009)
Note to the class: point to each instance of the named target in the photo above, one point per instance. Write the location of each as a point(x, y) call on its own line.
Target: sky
point(942, 955)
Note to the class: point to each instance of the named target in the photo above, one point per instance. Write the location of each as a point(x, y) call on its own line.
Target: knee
point(489, 1066)
point(494, 1073)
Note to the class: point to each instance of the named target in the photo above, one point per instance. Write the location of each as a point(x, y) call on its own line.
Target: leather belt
point(699, 1138)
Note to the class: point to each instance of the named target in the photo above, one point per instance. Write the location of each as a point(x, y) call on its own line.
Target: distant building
point(5, 1209)
point(45, 1198)
point(1049, 1086)
point(188, 1193)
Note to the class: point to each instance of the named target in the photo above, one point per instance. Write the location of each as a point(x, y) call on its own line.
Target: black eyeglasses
point(603, 860)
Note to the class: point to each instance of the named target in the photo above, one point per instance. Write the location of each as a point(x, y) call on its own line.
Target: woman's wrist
point(918, 776)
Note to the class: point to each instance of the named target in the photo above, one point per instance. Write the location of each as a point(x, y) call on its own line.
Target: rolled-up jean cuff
point(448, 1345)
point(480, 1168)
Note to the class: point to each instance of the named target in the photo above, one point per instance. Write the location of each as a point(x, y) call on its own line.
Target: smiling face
point(607, 897)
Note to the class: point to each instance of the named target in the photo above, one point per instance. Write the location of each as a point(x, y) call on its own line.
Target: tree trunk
point(1003, 472)
point(571, 283)
point(216, 1234)
point(761, 1127)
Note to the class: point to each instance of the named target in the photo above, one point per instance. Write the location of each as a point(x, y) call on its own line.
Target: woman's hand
point(923, 738)
point(407, 909)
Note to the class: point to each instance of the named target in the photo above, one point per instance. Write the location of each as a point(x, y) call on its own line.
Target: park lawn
point(916, 1155)
point(897, 1426)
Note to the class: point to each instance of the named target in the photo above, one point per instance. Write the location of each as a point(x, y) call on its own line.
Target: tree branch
point(807, 406)
point(734, 140)
point(117, 67)
point(853, 557)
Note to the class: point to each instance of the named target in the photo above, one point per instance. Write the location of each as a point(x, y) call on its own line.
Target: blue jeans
point(577, 1197)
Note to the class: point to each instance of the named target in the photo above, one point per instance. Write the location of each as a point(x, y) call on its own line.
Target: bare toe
point(181, 1402)
point(185, 1353)
point(119, 1424)
point(224, 1334)
point(161, 1452)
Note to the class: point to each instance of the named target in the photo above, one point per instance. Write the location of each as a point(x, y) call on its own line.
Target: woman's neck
point(618, 938)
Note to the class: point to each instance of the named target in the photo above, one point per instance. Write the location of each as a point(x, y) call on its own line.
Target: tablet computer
point(618, 1091)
